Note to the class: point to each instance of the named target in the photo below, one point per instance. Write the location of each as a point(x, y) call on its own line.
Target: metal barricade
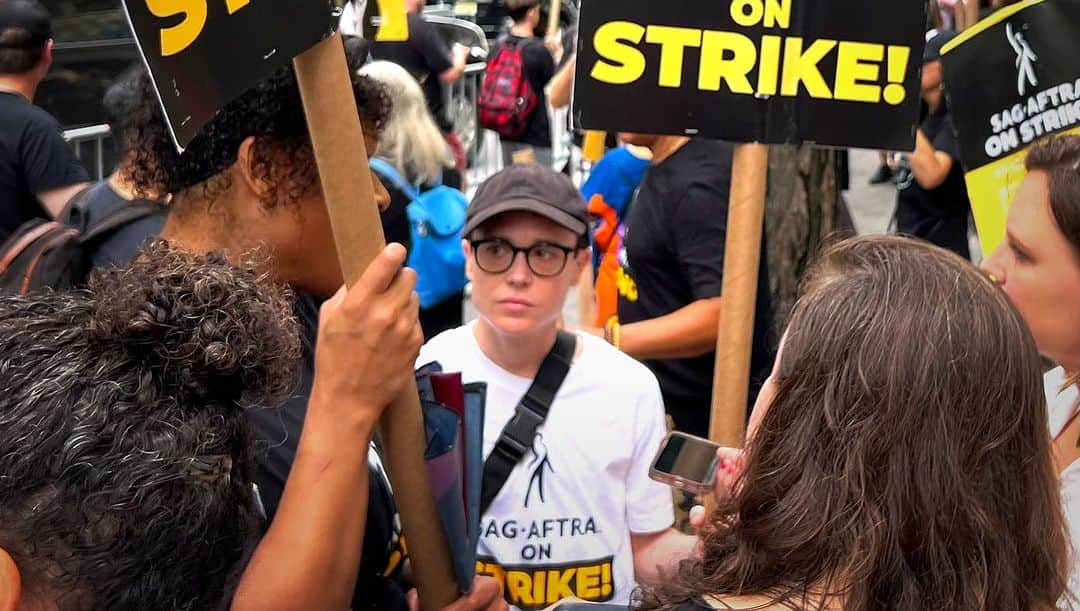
point(89, 146)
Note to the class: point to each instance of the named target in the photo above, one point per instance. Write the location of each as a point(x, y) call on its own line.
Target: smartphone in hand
point(686, 462)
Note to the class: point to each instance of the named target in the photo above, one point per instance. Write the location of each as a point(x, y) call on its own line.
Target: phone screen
point(686, 457)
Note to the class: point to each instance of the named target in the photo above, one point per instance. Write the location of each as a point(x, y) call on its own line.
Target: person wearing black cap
point(39, 172)
point(575, 514)
point(932, 198)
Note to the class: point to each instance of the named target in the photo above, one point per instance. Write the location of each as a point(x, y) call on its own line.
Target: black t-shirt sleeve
point(945, 140)
point(432, 46)
point(539, 64)
point(699, 230)
point(48, 161)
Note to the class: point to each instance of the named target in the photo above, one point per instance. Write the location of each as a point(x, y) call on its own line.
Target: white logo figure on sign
point(1025, 59)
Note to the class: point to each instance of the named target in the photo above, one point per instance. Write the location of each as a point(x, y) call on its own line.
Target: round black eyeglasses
point(495, 256)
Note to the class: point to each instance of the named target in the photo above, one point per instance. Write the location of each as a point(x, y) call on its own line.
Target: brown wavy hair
point(904, 462)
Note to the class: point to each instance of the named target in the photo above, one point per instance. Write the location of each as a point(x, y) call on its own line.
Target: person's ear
point(245, 170)
point(10, 582)
point(584, 258)
point(470, 261)
point(47, 57)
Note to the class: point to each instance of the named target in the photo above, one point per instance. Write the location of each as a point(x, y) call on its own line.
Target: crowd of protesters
point(194, 425)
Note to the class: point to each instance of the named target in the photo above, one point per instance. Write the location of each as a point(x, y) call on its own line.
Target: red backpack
point(506, 101)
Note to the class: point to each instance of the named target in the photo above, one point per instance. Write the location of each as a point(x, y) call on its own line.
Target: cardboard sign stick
point(553, 18)
point(742, 255)
point(338, 141)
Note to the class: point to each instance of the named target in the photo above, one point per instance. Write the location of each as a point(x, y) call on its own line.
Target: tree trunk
point(801, 212)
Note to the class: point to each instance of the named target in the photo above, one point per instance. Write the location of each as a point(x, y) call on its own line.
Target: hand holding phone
point(686, 462)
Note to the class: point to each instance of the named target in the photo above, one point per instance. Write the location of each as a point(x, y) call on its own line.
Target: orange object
point(606, 239)
point(592, 149)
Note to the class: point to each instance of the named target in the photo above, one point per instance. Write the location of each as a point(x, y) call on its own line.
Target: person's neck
point(125, 187)
point(934, 100)
point(195, 233)
point(1072, 370)
point(21, 85)
point(522, 30)
point(519, 355)
point(666, 146)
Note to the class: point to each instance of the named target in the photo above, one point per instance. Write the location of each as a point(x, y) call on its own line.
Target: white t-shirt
point(1063, 405)
point(561, 525)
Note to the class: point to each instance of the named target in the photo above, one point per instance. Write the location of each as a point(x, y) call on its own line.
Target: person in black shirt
point(932, 198)
point(250, 185)
point(39, 172)
point(539, 68)
point(672, 273)
point(427, 58)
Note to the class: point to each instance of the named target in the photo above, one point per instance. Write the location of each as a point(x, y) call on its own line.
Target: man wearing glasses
point(578, 514)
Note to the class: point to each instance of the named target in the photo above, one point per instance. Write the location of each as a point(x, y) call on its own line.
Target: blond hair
point(410, 140)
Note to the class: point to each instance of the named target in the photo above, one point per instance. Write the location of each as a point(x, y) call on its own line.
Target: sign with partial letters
point(1010, 80)
point(202, 54)
point(827, 72)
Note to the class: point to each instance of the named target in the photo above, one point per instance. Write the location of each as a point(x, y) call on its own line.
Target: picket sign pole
point(338, 142)
point(742, 256)
point(553, 18)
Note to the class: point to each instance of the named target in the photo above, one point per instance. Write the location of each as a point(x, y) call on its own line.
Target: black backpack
point(57, 254)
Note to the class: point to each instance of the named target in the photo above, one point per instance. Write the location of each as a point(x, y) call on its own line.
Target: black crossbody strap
point(517, 436)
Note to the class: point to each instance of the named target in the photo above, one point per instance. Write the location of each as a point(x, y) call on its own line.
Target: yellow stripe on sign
point(991, 189)
point(394, 21)
point(989, 22)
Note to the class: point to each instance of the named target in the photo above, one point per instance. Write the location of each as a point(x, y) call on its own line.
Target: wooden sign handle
point(553, 17)
point(337, 139)
point(742, 257)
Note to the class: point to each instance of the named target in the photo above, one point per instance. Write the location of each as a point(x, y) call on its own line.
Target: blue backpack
point(436, 218)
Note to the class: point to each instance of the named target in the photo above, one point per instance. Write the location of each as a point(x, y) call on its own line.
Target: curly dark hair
point(272, 112)
point(125, 453)
point(904, 462)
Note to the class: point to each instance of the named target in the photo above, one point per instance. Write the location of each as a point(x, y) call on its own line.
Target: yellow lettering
point(769, 66)
point(622, 63)
point(747, 13)
point(716, 69)
point(558, 585)
point(234, 5)
point(519, 586)
point(857, 63)
point(673, 41)
point(588, 582)
point(778, 14)
point(802, 67)
point(538, 580)
point(394, 24)
point(180, 36)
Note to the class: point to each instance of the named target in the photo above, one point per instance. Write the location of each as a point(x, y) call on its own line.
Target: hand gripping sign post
point(1011, 79)
point(204, 53)
point(827, 72)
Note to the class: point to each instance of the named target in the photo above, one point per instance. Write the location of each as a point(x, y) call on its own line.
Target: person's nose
point(519, 273)
point(382, 196)
point(993, 265)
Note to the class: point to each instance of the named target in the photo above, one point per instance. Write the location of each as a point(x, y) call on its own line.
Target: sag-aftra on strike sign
point(204, 53)
point(831, 72)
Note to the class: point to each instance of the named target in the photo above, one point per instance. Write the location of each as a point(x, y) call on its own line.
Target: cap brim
point(526, 205)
